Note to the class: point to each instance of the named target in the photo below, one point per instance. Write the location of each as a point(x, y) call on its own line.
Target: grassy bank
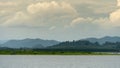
point(32, 52)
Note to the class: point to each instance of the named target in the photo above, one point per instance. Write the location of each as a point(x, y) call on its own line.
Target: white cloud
point(78, 20)
point(51, 8)
point(52, 28)
point(118, 2)
point(8, 4)
point(51, 13)
point(2, 12)
point(8, 8)
point(101, 22)
point(17, 20)
point(115, 16)
point(41, 14)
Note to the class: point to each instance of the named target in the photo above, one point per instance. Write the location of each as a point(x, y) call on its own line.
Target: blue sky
point(59, 19)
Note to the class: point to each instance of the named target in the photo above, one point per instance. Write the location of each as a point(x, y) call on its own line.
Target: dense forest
point(83, 45)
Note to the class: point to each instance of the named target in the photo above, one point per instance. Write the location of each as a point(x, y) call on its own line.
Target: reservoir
point(59, 61)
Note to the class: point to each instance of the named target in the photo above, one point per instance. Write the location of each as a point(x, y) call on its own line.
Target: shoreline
point(65, 53)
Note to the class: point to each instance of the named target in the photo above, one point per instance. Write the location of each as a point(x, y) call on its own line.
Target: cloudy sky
point(59, 19)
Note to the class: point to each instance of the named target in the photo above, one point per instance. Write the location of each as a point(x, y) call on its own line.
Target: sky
point(59, 19)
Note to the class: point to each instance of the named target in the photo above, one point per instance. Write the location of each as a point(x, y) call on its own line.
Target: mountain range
point(2, 41)
point(104, 39)
point(40, 43)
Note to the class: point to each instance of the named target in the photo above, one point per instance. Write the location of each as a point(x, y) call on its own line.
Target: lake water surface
point(51, 61)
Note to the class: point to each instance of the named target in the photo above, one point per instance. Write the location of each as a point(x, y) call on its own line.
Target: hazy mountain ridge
point(2, 41)
point(29, 43)
point(40, 43)
point(104, 39)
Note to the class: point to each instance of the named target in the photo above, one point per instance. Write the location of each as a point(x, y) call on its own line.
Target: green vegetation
point(34, 52)
point(86, 46)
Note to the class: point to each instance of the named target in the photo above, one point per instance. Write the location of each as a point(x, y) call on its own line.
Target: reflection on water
point(48, 61)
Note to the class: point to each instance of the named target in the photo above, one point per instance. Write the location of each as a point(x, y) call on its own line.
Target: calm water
point(59, 61)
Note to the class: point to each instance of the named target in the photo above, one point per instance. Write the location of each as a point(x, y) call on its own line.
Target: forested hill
point(87, 46)
point(104, 39)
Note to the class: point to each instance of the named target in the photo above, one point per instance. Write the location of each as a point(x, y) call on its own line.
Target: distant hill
point(29, 43)
point(104, 39)
point(2, 41)
point(105, 43)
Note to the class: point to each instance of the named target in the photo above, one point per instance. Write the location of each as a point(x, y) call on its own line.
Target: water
point(47, 61)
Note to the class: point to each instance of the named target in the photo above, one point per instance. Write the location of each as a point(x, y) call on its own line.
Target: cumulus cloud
point(53, 7)
point(107, 22)
point(8, 4)
point(18, 19)
point(115, 16)
point(72, 18)
point(118, 2)
point(51, 13)
point(52, 28)
point(42, 13)
point(78, 20)
point(102, 22)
